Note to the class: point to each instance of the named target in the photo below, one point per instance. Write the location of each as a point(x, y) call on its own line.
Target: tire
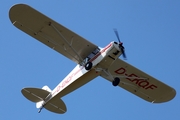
point(116, 81)
point(88, 65)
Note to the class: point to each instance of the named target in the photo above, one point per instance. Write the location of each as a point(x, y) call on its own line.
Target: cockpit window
point(93, 54)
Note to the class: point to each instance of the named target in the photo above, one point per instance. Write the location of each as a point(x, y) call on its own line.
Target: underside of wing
point(50, 33)
point(140, 83)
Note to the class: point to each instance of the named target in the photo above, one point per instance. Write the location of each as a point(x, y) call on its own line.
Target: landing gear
point(116, 81)
point(40, 109)
point(88, 65)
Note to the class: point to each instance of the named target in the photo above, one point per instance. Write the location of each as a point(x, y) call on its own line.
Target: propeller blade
point(123, 51)
point(117, 35)
point(120, 44)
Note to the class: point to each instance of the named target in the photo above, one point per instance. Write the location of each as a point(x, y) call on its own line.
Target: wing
point(140, 83)
point(50, 33)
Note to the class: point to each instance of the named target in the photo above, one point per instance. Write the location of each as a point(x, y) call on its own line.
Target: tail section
point(39, 104)
point(42, 98)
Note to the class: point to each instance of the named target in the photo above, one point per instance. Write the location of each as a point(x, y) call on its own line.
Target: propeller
point(120, 44)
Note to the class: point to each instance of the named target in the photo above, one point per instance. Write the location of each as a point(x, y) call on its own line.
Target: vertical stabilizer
point(46, 88)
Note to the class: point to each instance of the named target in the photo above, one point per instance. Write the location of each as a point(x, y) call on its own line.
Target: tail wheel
point(88, 65)
point(116, 81)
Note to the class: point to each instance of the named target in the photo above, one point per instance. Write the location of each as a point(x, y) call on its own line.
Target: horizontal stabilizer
point(56, 106)
point(35, 94)
point(38, 96)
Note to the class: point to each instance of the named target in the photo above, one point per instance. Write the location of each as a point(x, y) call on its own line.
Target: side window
point(96, 51)
point(93, 54)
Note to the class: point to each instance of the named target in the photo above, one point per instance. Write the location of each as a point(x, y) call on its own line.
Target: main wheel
point(116, 81)
point(88, 65)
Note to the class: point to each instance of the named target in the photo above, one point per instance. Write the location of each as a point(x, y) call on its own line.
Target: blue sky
point(150, 32)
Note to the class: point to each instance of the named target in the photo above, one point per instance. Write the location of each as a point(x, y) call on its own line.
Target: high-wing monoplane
point(92, 61)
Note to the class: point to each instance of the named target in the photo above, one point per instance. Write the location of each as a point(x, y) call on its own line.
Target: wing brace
point(112, 77)
point(49, 39)
point(69, 44)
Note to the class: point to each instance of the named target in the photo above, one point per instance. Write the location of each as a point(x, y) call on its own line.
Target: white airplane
point(91, 60)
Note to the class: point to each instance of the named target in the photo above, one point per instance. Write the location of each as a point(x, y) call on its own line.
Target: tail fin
point(46, 88)
point(38, 96)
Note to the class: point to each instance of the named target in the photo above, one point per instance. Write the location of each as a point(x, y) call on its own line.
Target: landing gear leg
point(116, 81)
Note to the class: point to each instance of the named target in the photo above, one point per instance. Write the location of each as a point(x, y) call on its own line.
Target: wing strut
point(48, 38)
point(70, 44)
point(106, 71)
point(112, 77)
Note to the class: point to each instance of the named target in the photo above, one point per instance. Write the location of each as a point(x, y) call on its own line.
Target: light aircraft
point(91, 60)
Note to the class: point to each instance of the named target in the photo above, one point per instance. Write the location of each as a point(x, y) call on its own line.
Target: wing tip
point(14, 11)
point(166, 97)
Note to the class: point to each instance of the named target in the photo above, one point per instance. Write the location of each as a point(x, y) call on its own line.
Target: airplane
point(92, 61)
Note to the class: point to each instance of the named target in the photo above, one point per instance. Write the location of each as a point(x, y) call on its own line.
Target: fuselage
point(80, 76)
